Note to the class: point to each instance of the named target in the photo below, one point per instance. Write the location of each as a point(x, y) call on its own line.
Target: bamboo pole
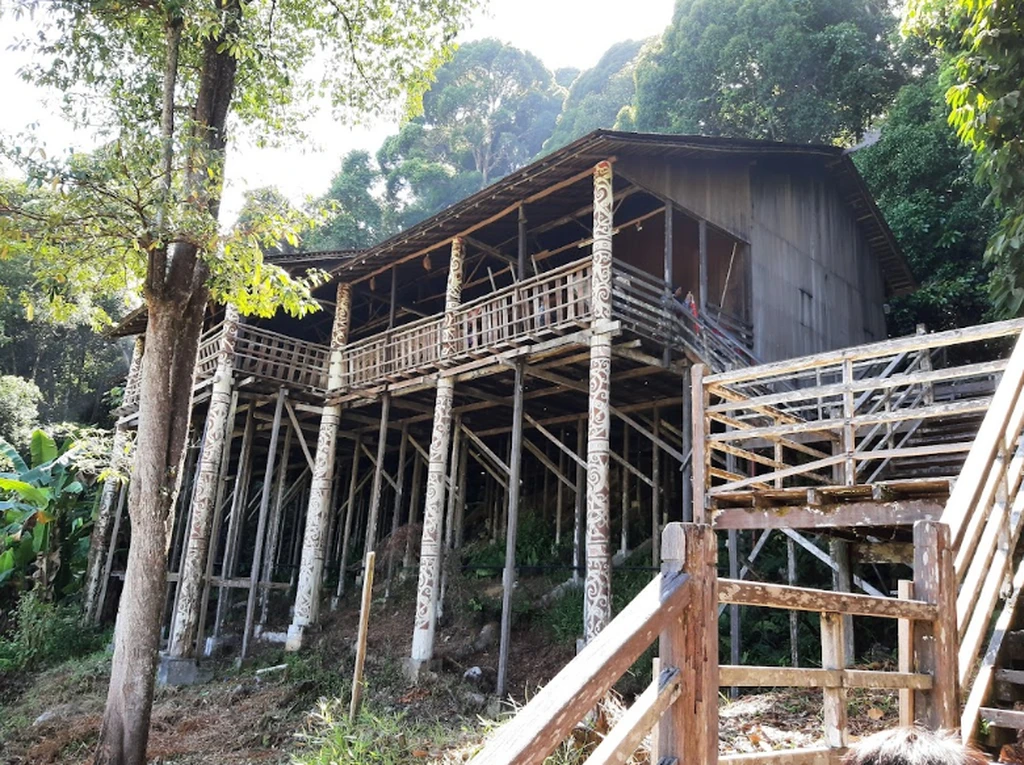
point(364, 625)
point(508, 576)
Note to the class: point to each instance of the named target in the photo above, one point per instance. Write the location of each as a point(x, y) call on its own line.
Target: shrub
point(19, 410)
point(46, 633)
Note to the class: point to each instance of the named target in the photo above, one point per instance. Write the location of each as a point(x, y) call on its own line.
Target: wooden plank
point(801, 677)
point(935, 641)
point(807, 599)
point(844, 515)
point(549, 717)
point(834, 703)
point(622, 741)
point(785, 757)
point(1003, 718)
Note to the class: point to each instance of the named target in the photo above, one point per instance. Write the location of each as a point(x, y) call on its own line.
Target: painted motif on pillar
point(433, 510)
point(598, 517)
point(453, 296)
point(342, 315)
point(601, 251)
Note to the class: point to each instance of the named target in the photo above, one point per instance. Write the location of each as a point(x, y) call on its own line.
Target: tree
point(598, 95)
point(163, 76)
point(922, 179)
point(488, 112)
point(984, 41)
point(807, 71)
point(360, 217)
point(19, 408)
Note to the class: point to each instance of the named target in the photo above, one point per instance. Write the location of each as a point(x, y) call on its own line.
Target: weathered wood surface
point(622, 740)
point(746, 676)
point(550, 716)
point(807, 599)
point(786, 757)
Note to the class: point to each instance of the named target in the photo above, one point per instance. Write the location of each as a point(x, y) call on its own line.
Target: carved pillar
point(433, 508)
point(185, 622)
point(119, 459)
point(597, 610)
point(307, 591)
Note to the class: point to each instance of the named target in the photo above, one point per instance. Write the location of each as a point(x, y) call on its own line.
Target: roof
point(565, 164)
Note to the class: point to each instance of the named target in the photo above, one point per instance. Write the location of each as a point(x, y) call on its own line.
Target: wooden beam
point(808, 599)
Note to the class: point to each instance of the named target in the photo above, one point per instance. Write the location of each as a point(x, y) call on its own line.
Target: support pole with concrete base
point(429, 584)
point(185, 621)
point(311, 567)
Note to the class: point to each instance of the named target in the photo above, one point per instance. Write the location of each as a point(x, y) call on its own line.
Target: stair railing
point(985, 515)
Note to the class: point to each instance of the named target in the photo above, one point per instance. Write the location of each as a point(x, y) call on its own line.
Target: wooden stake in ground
point(364, 624)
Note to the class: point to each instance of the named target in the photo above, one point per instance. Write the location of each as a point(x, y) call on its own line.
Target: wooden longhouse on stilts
point(545, 326)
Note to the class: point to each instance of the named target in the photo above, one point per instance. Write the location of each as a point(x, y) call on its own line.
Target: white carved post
point(185, 622)
point(307, 592)
point(433, 508)
point(99, 541)
point(597, 610)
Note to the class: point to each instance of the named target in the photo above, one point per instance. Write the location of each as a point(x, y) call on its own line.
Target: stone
point(487, 637)
point(474, 701)
point(473, 675)
point(59, 712)
point(174, 671)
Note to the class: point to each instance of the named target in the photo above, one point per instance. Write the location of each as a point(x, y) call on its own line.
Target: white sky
point(562, 33)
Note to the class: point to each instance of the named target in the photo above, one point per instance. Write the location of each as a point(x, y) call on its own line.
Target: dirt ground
point(238, 718)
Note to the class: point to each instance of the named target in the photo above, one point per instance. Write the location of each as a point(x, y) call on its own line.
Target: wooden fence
point(679, 711)
point(845, 418)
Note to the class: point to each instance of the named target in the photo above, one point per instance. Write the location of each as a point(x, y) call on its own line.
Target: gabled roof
point(570, 161)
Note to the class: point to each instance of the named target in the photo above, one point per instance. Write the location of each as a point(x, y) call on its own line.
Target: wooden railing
point(680, 707)
point(268, 355)
point(847, 417)
point(550, 303)
point(985, 515)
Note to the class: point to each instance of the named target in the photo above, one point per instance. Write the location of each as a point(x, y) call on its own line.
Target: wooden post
point(449, 522)
point(274, 532)
point(433, 510)
point(396, 513)
point(261, 523)
point(577, 529)
point(624, 492)
point(833, 656)
point(414, 509)
point(597, 611)
point(687, 428)
point(905, 642)
point(460, 505)
point(101, 539)
point(655, 489)
point(935, 644)
point(378, 474)
point(350, 514)
point(666, 355)
point(842, 581)
point(364, 628)
point(560, 492)
point(701, 459)
point(688, 731)
point(794, 617)
point(735, 637)
point(311, 568)
point(185, 621)
point(509, 574)
point(702, 265)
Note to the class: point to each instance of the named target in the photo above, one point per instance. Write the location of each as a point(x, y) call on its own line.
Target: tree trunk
point(176, 294)
point(172, 338)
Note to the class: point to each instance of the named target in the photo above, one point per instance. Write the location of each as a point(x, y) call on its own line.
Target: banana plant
point(44, 517)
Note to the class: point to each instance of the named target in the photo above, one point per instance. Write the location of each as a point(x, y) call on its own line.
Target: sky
point(562, 33)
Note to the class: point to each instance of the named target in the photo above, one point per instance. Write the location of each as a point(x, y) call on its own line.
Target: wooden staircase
point(945, 468)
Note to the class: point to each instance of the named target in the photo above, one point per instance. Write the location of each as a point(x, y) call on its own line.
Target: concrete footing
point(175, 671)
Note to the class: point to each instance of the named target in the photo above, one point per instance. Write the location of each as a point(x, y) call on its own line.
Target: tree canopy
point(809, 71)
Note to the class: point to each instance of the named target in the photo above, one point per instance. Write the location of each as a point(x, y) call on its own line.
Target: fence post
point(833, 656)
point(699, 459)
point(905, 639)
point(935, 643)
point(690, 725)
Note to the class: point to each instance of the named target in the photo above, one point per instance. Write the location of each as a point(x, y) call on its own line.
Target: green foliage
point(814, 70)
point(386, 738)
point(44, 536)
point(19, 412)
point(46, 633)
point(923, 181)
point(984, 41)
point(360, 217)
point(597, 95)
point(488, 112)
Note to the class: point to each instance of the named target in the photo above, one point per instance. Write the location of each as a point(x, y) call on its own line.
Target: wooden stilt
point(274, 533)
point(655, 490)
point(378, 470)
point(396, 512)
point(580, 500)
point(364, 629)
point(449, 522)
point(509, 574)
point(560, 493)
point(686, 490)
point(842, 581)
point(414, 510)
point(353, 487)
point(794, 616)
point(460, 505)
point(624, 493)
point(261, 523)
